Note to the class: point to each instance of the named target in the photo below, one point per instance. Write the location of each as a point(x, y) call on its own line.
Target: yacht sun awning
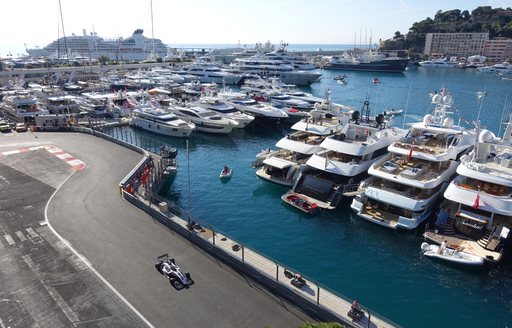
point(277, 162)
point(472, 216)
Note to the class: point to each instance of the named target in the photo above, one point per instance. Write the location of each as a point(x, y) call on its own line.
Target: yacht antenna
point(406, 105)
point(188, 173)
point(506, 119)
point(360, 35)
point(365, 34)
point(481, 95)
point(152, 30)
point(365, 111)
point(63, 32)
point(475, 151)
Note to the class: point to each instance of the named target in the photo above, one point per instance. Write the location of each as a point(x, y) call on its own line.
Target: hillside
point(498, 22)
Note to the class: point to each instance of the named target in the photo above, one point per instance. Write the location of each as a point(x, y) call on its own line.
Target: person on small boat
point(225, 170)
point(442, 248)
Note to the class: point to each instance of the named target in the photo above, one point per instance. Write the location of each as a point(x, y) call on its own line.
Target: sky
point(36, 23)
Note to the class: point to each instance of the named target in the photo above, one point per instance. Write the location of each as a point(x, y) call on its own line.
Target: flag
point(476, 204)
point(409, 156)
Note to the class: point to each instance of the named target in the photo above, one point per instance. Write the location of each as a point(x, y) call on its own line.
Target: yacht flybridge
point(332, 172)
point(406, 184)
point(282, 166)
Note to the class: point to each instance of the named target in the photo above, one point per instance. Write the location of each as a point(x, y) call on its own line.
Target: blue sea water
point(381, 268)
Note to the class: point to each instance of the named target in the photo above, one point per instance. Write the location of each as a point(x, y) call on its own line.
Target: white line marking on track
point(21, 236)
point(84, 259)
point(9, 240)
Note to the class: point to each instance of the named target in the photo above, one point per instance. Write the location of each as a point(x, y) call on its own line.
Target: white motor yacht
point(405, 186)
point(61, 104)
point(262, 112)
point(209, 73)
point(21, 106)
point(220, 106)
point(162, 122)
point(439, 63)
point(502, 68)
point(479, 199)
point(282, 166)
point(96, 104)
point(205, 120)
point(335, 171)
point(276, 68)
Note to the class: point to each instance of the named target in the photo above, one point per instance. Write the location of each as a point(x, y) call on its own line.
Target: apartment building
point(498, 49)
point(456, 44)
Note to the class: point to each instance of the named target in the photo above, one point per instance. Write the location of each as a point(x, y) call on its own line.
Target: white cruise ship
point(159, 121)
point(344, 158)
point(134, 48)
point(405, 186)
point(479, 200)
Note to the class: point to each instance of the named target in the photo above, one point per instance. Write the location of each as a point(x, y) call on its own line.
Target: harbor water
point(381, 268)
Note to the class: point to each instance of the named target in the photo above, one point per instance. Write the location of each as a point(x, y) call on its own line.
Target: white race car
point(167, 266)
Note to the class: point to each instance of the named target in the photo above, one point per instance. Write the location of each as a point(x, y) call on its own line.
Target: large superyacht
point(406, 184)
point(478, 201)
point(283, 166)
point(331, 173)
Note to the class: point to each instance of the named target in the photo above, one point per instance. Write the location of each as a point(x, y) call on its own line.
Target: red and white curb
point(76, 164)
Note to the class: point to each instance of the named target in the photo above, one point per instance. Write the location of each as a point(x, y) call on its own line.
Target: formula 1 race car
point(167, 266)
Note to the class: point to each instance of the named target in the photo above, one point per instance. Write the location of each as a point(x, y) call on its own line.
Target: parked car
point(4, 126)
point(21, 127)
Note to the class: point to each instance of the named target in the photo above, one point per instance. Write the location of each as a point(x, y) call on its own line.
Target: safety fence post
point(317, 293)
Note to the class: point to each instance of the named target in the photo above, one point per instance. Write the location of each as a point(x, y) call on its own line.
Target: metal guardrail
point(328, 302)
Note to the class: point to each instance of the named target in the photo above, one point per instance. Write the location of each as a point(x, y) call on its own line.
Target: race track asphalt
point(121, 243)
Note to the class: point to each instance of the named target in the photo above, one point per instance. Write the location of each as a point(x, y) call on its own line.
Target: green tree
point(103, 60)
point(398, 36)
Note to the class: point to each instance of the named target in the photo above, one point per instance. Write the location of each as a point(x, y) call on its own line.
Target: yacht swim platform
point(379, 216)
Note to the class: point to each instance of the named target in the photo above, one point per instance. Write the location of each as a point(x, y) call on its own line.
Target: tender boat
point(376, 80)
point(451, 255)
point(392, 111)
point(300, 202)
point(226, 173)
point(340, 77)
point(168, 155)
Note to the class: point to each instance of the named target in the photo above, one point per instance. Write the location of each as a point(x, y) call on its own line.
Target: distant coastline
point(291, 47)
